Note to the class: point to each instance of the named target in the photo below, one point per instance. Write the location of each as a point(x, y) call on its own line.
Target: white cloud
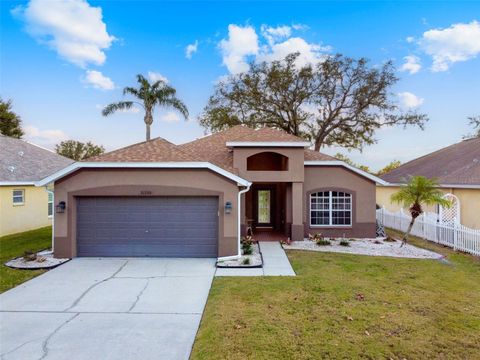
point(412, 64)
point(410, 39)
point(300, 27)
point(46, 138)
point(309, 53)
point(191, 49)
point(409, 100)
point(97, 80)
point(459, 42)
point(73, 28)
point(241, 42)
point(170, 116)
point(155, 76)
point(274, 34)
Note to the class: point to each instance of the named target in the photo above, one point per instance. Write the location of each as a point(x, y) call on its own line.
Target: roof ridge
point(128, 147)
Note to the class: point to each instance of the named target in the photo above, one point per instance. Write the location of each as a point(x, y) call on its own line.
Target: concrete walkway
point(275, 263)
point(107, 309)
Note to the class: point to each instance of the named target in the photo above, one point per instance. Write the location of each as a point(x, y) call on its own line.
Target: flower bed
point(254, 260)
point(42, 260)
point(372, 247)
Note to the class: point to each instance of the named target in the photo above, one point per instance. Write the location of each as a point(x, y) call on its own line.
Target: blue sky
point(62, 61)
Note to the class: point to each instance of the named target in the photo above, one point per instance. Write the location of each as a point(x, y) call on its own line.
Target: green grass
point(413, 309)
point(12, 246)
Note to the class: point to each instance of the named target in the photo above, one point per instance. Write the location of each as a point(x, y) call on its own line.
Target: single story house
point(23, 206)
point(156, 198)
point(457, 170)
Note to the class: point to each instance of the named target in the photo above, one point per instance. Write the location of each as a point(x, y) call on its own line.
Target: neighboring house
point(23, 206)
point(195, 200)
point(457, 170)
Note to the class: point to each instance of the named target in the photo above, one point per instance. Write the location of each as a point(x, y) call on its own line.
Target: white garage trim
point(143, 165)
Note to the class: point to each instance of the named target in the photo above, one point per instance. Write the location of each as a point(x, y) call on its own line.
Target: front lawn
point(12, 246)
point(343, 306)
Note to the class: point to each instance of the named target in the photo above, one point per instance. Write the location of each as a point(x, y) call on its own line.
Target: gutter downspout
point(53, 217)
point(240, 217)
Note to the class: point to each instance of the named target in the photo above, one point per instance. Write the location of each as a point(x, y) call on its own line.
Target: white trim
point(453, 186)
point(345, 165)
point(143, 165)
point(17, 183)
point(301, 144)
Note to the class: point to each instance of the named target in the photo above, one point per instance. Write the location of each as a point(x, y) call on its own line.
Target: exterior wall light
point(228, 207)
point(60, 208)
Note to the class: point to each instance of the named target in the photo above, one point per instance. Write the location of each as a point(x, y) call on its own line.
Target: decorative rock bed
point(44, 260)
point(255, 260)
point(372, 247)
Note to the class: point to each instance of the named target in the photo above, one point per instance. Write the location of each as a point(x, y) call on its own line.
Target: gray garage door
point(154, 226)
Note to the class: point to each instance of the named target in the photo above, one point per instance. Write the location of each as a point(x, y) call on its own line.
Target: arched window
point(330, 208)
point(267, 161)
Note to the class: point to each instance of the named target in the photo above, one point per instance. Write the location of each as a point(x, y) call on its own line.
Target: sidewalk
point(275, 263)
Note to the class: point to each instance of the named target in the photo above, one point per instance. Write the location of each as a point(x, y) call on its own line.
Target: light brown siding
point(293, 174)
point(142, 182)
point(324, 178)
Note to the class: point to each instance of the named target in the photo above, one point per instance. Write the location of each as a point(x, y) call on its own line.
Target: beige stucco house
point(197, 199)
point(457, 170)
point(24, 206)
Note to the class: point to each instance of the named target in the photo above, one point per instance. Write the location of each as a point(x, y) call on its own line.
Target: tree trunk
point(147, 135)
point(407, 233)
point(148, 122)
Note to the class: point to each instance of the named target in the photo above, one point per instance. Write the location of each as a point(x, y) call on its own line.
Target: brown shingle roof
point(457, 164)
point(269, 135)
point(312, 155)
point(211, 148)
point(156, 150)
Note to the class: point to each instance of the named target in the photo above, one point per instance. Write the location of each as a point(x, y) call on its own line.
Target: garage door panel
point(156, 226)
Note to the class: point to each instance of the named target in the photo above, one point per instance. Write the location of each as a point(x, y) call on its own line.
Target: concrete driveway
point(107, 309)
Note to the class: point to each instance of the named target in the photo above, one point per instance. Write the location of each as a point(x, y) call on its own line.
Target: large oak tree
point(78, 150)
point(338, 101)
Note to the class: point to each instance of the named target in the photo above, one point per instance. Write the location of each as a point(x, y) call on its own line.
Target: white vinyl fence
point(427, 226)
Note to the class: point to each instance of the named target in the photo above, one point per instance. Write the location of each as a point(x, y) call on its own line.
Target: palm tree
point(418, 190)
point(149, 95)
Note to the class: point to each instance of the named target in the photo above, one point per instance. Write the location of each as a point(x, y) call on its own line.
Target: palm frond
point(132, 91)
point(121, 105)
point(420, 190)
point(176, 104)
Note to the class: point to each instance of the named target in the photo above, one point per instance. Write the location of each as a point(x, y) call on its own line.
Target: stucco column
point(297, 211)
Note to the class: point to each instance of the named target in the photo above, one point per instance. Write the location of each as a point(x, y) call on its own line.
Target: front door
point(264, 208)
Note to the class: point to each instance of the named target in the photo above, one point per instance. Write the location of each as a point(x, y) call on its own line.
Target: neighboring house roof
point(457, 164)
point(22, 162)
